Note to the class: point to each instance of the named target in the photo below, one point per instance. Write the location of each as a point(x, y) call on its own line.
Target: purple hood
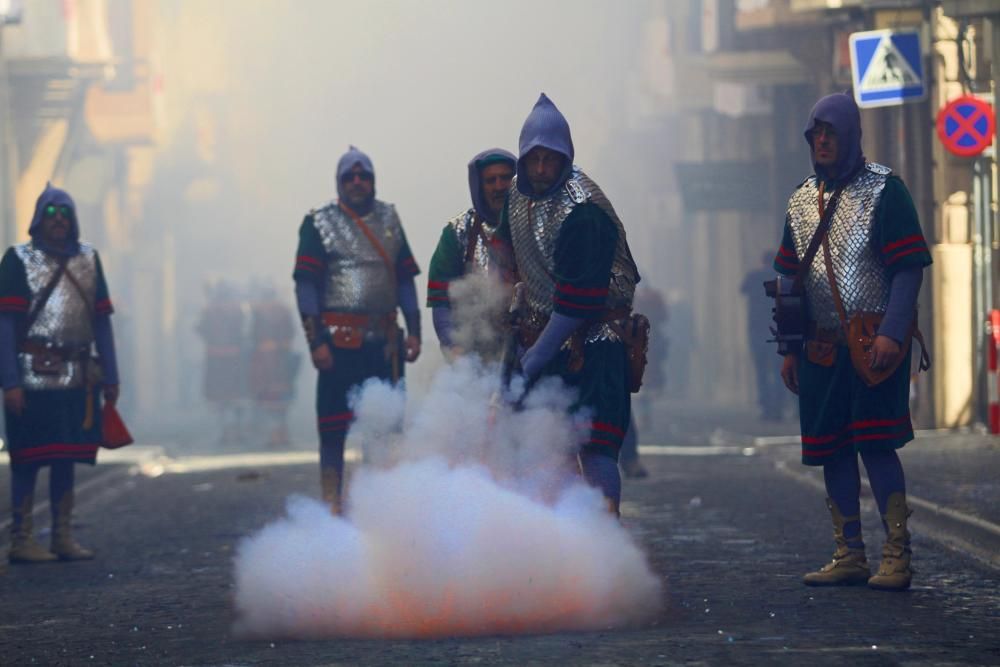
point(840, 111)
point(55, 197)
point(346, 162)
point(546, 127)
point(482, 160)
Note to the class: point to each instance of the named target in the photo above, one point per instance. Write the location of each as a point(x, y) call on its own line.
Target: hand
point(453, 352)
point(13, 400)
point(885, 352)
point(412, 348)
point(322, 358)
point(790, 372)
point(111, 394)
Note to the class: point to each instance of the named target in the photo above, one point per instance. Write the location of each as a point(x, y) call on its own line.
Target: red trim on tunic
point(437, 284)
point(904, 241)
point(340, 416)
point(782, 250)
point(308, 260)
point(787, 264)
point(905, 253)
point(438, 298)
point(578, 306)
point(581, 291)
point(858, 438)
point(605, 443)
point(53, 451)
point(607, 428)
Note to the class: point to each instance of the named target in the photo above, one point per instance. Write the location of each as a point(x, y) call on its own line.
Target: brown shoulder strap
point(366, 230)
point(825, 218)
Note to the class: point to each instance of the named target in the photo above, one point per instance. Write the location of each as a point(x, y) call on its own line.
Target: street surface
point(730, 529)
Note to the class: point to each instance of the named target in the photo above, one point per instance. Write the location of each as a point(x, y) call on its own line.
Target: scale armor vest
point(482, 257)
point(357, 279)
point(66, 319)
point(534, 228)
point(861, 278)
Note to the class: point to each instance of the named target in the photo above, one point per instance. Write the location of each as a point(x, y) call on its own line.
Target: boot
point(329, 481)
point(23, 546)
point(849, 566)
point(63, 544)
point(894, 573)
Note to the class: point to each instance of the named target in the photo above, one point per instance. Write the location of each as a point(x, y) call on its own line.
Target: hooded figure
point(55, 312)
point(488, 157)
point(573, 257)
point(52, 196)
point(469, 240)
point(545, 127)
point(345, 164)
point(840, 111)
point(854, 398)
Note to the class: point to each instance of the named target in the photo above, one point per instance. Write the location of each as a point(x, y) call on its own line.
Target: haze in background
point(262, 98)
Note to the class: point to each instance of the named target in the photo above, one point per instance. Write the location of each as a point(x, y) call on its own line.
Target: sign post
point(887, 67)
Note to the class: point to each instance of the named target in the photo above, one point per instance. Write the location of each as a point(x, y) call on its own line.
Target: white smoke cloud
point(473, 523)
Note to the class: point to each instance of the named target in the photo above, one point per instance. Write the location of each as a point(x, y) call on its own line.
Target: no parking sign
point(966, 126)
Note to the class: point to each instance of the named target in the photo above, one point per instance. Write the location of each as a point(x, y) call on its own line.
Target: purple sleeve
point(10, 372)
point(442, 325)
point(307, 298)
point(407, 290)
point(559, 328)
point(902, 303)
point(104, 340)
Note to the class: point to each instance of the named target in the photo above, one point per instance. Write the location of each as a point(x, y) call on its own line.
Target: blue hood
point(482, 160)
point(840, 111)
point(347, 161)
point(55, 197)
point(546, 127)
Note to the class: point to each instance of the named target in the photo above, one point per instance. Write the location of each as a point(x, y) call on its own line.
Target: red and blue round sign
point(966, 126)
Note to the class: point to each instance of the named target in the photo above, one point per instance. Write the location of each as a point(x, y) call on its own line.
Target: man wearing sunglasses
point(572, 255)
point(353, 269)
point(54, 311)
point(469, 244)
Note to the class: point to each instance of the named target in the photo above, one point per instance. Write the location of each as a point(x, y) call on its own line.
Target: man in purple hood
point(353, 269)
point(867, 269)
point(469, 243)
point(572, 254)
point(54, 311)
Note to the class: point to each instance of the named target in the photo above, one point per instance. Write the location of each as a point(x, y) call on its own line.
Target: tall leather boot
point(894, 573)
point(63, 544)
point(329, 480)
point(23, 546)
point(849, 567)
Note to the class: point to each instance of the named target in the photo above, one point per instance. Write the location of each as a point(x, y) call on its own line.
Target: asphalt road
point(730, 534)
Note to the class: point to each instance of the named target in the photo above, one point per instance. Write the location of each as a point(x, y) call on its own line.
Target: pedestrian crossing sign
point(887, 67)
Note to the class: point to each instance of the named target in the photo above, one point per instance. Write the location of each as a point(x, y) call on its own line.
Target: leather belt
point(64, 353)
point(835, 335)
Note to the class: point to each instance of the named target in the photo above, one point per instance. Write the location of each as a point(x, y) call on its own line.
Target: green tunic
point(839, 413)
point(51, 427)
point(583, 255)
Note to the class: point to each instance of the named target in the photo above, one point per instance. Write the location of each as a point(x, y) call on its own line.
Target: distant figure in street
point(54, 313)
point(469, 244)
point(853, 390)
point(273, 365)
point(572, 253)
point(222, 327)
point(772, 398)
point(353, 269)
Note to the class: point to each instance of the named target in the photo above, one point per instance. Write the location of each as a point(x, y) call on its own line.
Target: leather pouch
point(48, 362)
point(821, 353)
point(862, 329)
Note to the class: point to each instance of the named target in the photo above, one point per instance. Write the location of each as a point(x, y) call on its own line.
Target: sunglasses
point(363, 175)
point(64, 211)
